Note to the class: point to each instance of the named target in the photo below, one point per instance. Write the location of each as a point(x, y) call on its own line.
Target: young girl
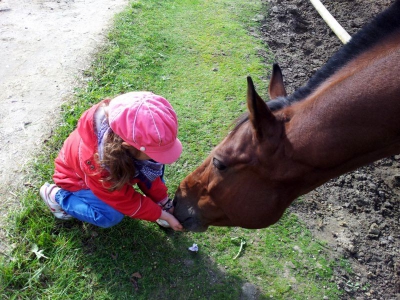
point(117, 143)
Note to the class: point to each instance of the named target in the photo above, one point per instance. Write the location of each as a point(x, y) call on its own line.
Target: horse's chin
point(194, 225)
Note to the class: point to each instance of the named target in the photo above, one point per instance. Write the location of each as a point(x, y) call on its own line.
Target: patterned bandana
point(148, 170)
point(102, 132)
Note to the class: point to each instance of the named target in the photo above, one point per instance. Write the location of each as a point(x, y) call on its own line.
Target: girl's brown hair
point(118, 161)
point(117, 158)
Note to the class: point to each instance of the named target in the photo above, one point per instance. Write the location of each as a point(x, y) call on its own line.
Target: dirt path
point(44, 46)
point(357, 214)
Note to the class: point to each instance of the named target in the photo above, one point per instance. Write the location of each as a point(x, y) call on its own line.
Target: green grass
point(197, 54)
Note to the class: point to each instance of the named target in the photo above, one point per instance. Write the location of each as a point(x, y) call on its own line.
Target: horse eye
point(218, 164)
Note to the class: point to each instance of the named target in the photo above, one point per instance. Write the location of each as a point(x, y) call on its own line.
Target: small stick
point(242, 243)
point(330, 20)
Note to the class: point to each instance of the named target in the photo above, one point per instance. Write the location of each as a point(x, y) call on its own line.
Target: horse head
point(345, 117)
point(242, 181)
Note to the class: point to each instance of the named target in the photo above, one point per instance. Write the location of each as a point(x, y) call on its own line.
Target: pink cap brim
point(169, 156)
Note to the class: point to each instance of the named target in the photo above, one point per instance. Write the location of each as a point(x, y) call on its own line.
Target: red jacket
point(76, 169)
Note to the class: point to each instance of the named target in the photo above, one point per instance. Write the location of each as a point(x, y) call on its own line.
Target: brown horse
point(347, 115)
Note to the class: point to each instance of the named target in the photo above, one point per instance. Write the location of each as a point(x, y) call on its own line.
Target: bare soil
point(357, 214)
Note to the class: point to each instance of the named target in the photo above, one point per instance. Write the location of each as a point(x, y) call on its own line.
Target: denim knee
point(85, 206)
point(107, 222)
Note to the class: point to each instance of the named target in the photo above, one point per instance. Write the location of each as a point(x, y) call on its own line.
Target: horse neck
point(349, 121)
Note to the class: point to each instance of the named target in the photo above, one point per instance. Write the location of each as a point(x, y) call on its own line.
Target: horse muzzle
point(188, 216)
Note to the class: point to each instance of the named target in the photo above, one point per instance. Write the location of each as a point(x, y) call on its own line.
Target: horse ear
point(260, 116)
point(276, 87)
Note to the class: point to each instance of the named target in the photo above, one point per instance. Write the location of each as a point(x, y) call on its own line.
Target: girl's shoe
point(45, 194)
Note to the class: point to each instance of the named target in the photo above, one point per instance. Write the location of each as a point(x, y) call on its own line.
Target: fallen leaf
point(38, 253)
point(136, 275)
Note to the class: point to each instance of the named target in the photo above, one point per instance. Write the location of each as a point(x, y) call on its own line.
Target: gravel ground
point(44, 47)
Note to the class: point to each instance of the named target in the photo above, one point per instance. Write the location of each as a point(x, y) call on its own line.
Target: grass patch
point(197, 54)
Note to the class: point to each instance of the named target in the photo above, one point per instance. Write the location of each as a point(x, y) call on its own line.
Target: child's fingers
point(176, 226)
point(172, 221)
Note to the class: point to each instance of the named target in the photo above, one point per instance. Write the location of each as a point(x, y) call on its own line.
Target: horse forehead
point(237, 147)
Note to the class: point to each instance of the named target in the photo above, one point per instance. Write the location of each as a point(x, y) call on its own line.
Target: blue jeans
point(85, 206)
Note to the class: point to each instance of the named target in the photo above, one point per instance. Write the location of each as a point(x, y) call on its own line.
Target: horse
point(346, 116)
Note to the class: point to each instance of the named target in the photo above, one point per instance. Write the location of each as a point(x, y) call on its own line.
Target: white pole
point(330, 20)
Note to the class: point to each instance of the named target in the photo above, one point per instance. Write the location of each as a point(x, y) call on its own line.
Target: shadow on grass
point(134, 259)
point(137, 258)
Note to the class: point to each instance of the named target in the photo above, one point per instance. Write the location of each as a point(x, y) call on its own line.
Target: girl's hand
point(172, 221)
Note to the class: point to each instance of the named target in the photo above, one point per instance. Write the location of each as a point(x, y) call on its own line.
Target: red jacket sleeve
point(158, 190)
point(126, 200)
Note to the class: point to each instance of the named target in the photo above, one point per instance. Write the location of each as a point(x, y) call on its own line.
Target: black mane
point(378, 29)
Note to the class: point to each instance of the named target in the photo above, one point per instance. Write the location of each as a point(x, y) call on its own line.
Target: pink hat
point(147, 122)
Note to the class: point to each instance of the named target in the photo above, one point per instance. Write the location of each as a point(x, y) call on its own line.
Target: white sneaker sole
point(55, 208)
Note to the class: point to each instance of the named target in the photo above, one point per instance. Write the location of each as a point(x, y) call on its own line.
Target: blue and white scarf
point(101, 134)
point(148, 170)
